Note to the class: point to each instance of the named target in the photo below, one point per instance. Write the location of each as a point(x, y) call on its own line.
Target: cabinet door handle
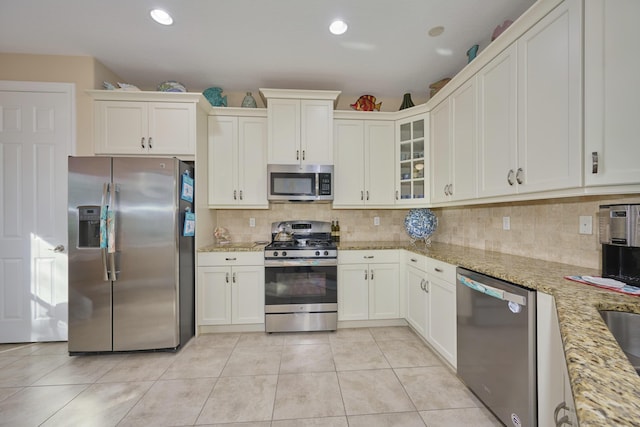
point(234, 278)
point(556, 412)
point(142, 142)
point(226, 279)
point(414, 260)
point(297, 154)
point(235, 195)
point(304, 154)
point(368, 256)
point(451, 189)
point(367, 194)
point(445, 190)
point(230, 259)
point(422, 284)
point(361, 195)
point(366, 275)
point(510, 177)
point(519, 176)
point(594, 162)
point(439, 270)
point(150, 142)
point(396, 194)
point(426, 286)
point(240, 194)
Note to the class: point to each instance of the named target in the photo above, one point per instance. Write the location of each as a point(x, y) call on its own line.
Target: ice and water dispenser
point(88, 226)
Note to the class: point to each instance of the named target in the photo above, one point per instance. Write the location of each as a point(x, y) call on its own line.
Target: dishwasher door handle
point(491, 291)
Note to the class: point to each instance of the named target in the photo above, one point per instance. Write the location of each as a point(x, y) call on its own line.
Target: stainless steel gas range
point(301, 277)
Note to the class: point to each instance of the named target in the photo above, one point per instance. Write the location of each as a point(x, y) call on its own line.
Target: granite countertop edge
point(605, 386)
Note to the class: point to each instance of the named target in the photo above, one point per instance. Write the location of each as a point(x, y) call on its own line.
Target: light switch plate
point(586, 225)
point(252, 222)
point(376, 220)
point(506, 223)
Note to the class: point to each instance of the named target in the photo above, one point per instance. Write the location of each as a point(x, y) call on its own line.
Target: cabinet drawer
point(416, 260)
point(369, 257)
point(441, 269)
point(230, 258)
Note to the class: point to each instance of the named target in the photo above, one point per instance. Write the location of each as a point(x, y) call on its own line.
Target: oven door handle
point(491, 291)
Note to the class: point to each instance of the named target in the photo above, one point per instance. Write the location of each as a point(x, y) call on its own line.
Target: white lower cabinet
point(441, 311)
point(555, 399)
point(417, 296)
point(368, 285)
point(431, 303)
point(230, 288)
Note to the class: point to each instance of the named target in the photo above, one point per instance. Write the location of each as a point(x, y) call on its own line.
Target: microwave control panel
point(324, 185)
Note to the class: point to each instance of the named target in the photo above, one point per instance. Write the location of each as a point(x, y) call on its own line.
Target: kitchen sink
point(625, 328)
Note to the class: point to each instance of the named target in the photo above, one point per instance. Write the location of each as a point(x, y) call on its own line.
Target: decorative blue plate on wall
point(420, 223)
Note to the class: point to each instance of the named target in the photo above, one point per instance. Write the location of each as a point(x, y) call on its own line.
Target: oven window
point(300, 285)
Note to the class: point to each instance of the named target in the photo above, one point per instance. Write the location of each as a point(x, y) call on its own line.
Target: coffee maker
point(620, 238)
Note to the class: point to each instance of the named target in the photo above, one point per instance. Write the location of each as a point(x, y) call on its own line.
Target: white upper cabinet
point(612, 94)
point(453, 146)
point(363, 170)
point(550, 102)
point(145, 123)
point(412, 161)
point(237, 162)
point(300, 126)
point(497, 124)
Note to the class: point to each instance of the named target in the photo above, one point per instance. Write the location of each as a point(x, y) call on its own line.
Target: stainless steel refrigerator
point(131, 255)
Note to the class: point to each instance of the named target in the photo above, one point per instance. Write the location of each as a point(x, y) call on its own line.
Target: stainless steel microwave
point(300, 183)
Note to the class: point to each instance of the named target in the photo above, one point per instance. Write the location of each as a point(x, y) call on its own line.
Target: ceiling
point(242, 45)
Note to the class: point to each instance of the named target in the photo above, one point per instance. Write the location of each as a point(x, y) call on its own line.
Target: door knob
point(59, 248)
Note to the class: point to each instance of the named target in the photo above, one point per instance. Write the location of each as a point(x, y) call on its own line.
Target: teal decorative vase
point(249, 101)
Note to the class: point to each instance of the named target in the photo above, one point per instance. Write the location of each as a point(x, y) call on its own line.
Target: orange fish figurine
point(366, 103)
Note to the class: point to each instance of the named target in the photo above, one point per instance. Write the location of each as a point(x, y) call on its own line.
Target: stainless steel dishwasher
point(496, 330)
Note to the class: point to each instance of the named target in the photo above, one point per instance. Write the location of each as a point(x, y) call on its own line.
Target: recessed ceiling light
point(338, 27)
point(436, 31)
point(161, 17)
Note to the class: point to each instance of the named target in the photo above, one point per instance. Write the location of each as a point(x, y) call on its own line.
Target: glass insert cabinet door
point(412, 152)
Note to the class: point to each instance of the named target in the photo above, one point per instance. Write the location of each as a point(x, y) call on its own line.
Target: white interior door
point(36, 136)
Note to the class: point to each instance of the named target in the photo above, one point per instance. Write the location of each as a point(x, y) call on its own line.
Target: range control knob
point(284, 253)
point(275, 253)
point(317, 253)
point(326, 253)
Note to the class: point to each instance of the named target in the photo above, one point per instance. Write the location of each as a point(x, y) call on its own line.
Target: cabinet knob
point(510, 177)
point(142, 142)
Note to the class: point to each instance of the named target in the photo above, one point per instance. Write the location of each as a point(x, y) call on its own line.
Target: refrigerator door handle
point(111, 232)
point(103, 231)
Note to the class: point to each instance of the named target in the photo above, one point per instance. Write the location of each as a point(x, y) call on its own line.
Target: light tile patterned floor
point(353, 377)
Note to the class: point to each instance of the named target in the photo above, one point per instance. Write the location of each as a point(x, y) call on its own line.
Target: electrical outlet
point(586, 225)
point(506, 223)
point(376, 220)
point(252, 222)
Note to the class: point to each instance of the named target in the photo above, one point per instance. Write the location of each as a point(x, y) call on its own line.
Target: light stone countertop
point(235, 247)
point(605, 386)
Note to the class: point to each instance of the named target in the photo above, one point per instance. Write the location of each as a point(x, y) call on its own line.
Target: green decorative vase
point(406, 101)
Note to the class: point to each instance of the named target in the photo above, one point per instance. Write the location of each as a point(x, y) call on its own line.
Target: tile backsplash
point(543, 229)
